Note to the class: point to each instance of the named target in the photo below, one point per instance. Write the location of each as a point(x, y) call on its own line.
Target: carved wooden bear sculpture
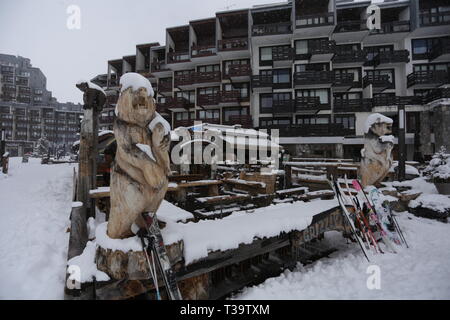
point(377, 153)
point(139, 177)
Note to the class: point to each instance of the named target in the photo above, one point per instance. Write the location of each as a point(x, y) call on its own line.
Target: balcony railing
point(233, 96)
point(183, 123)
point(177, 57)
point(313, 77)
point(283, 53)
point(208, 99)
point(239, 70)
point(378, 81)
point(209, 120)
point(271, 29)
point(205, 77)
point(301, 130)
point(315, 20)
point(392, 27)
point(184, 79)
point(351, 26)
point(165, 87)
point(283, 106)
point(343, 79)
point(203, 51)
point(437, 94)
point(262, 81)
point(352, 105)
point(440, 48)
point(434, 19)
point(434, 78)
point(245, 121)
point(322, 46)
point(350, 56)
point(233, 44)
point(396, 56)
point(309, 103)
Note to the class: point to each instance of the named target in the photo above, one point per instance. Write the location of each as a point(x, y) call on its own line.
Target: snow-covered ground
point(35, 204)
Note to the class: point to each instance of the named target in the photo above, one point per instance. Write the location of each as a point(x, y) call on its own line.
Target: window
point(184, 115)
point(188, 95)
point(234, 112)
point(269, 122)
point(210, 68)
point(210, 90)
point(412, 122)
point(312, 120)
point(323, 94)
point(209, 114)
point(432, 67)
point(227, 64)
point(355, 71)
point(281, 76)
point(265, 54)
point(422, 47)
point(312, 67)
point(301, 47)
point(243, 88)
point(372, 52)
point(348, 121)
point(265, 103)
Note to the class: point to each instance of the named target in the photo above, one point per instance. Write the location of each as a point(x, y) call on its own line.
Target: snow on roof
point(241, 227)
point(136, 81)
point(376, 118)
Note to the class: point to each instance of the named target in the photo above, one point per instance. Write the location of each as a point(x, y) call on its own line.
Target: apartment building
point(313, 69)
point(28, 111)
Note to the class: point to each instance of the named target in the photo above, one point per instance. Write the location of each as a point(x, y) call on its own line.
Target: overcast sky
point(110, 29)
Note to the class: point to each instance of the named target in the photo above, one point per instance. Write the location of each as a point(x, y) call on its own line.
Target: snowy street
point(34, 249)
point(35, 204)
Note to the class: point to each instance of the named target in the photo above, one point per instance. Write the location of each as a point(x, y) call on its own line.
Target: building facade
point(28, 111)
point(313, 69)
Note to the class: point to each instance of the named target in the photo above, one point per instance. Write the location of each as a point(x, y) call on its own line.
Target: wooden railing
point(271, 29)
point(203, 51)
point(438, 77)
point(176, 57)
point(313, 77)
point(315, 20)
point(233, 44)
point(434, 19)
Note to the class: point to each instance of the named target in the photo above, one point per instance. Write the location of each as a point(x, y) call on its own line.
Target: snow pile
point(124, 245)
point(376, 118)
point(159, 119)
point(439, 167)
point(35, 205)
point(242, 228)
point(385, 139)
point(408, 169)
point(135, 81)
point(147, 150)
point(420, 272)
point(435, 202)
point(86, 264)
point(168, 212)
point(91, 85)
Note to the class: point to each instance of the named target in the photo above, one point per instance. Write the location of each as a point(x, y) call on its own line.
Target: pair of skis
point(156, 256)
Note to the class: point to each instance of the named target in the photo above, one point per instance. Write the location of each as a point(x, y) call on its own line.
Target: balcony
point(106, 120)
point(392, 27)
point(282, 56)
point(208, 99)
point(165, 86)
point(344, 81)
point(208, 77)
point(312, 78)
point(280, 107)
point(428, 78)
point(184, 79)
point(437, 94)
point(232, 97)
point(350, 57)
point(352, 105)
point(262, 81)
point(320, 130)
point(379, 82)
point(183, 123)
point(389, 57)
point(434, 19)
point(310, 104)
point(203, 51)
point(178, 57)
point(391, 100)
point(440, 51)
point(271, 29)
point(315, 20)
point(233, 44)
point(244, 121)
point(351, 26)
point(236, 71)
point(181, 103)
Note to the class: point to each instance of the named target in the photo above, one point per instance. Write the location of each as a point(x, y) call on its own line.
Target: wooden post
point(2, 144)
point(87, 168)
point(401, 143)
point(288, 176)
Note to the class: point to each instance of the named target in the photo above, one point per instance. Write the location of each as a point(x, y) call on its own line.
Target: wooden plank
point(200, 183)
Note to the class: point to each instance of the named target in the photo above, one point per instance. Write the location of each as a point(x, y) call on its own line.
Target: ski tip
point(356, 185)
